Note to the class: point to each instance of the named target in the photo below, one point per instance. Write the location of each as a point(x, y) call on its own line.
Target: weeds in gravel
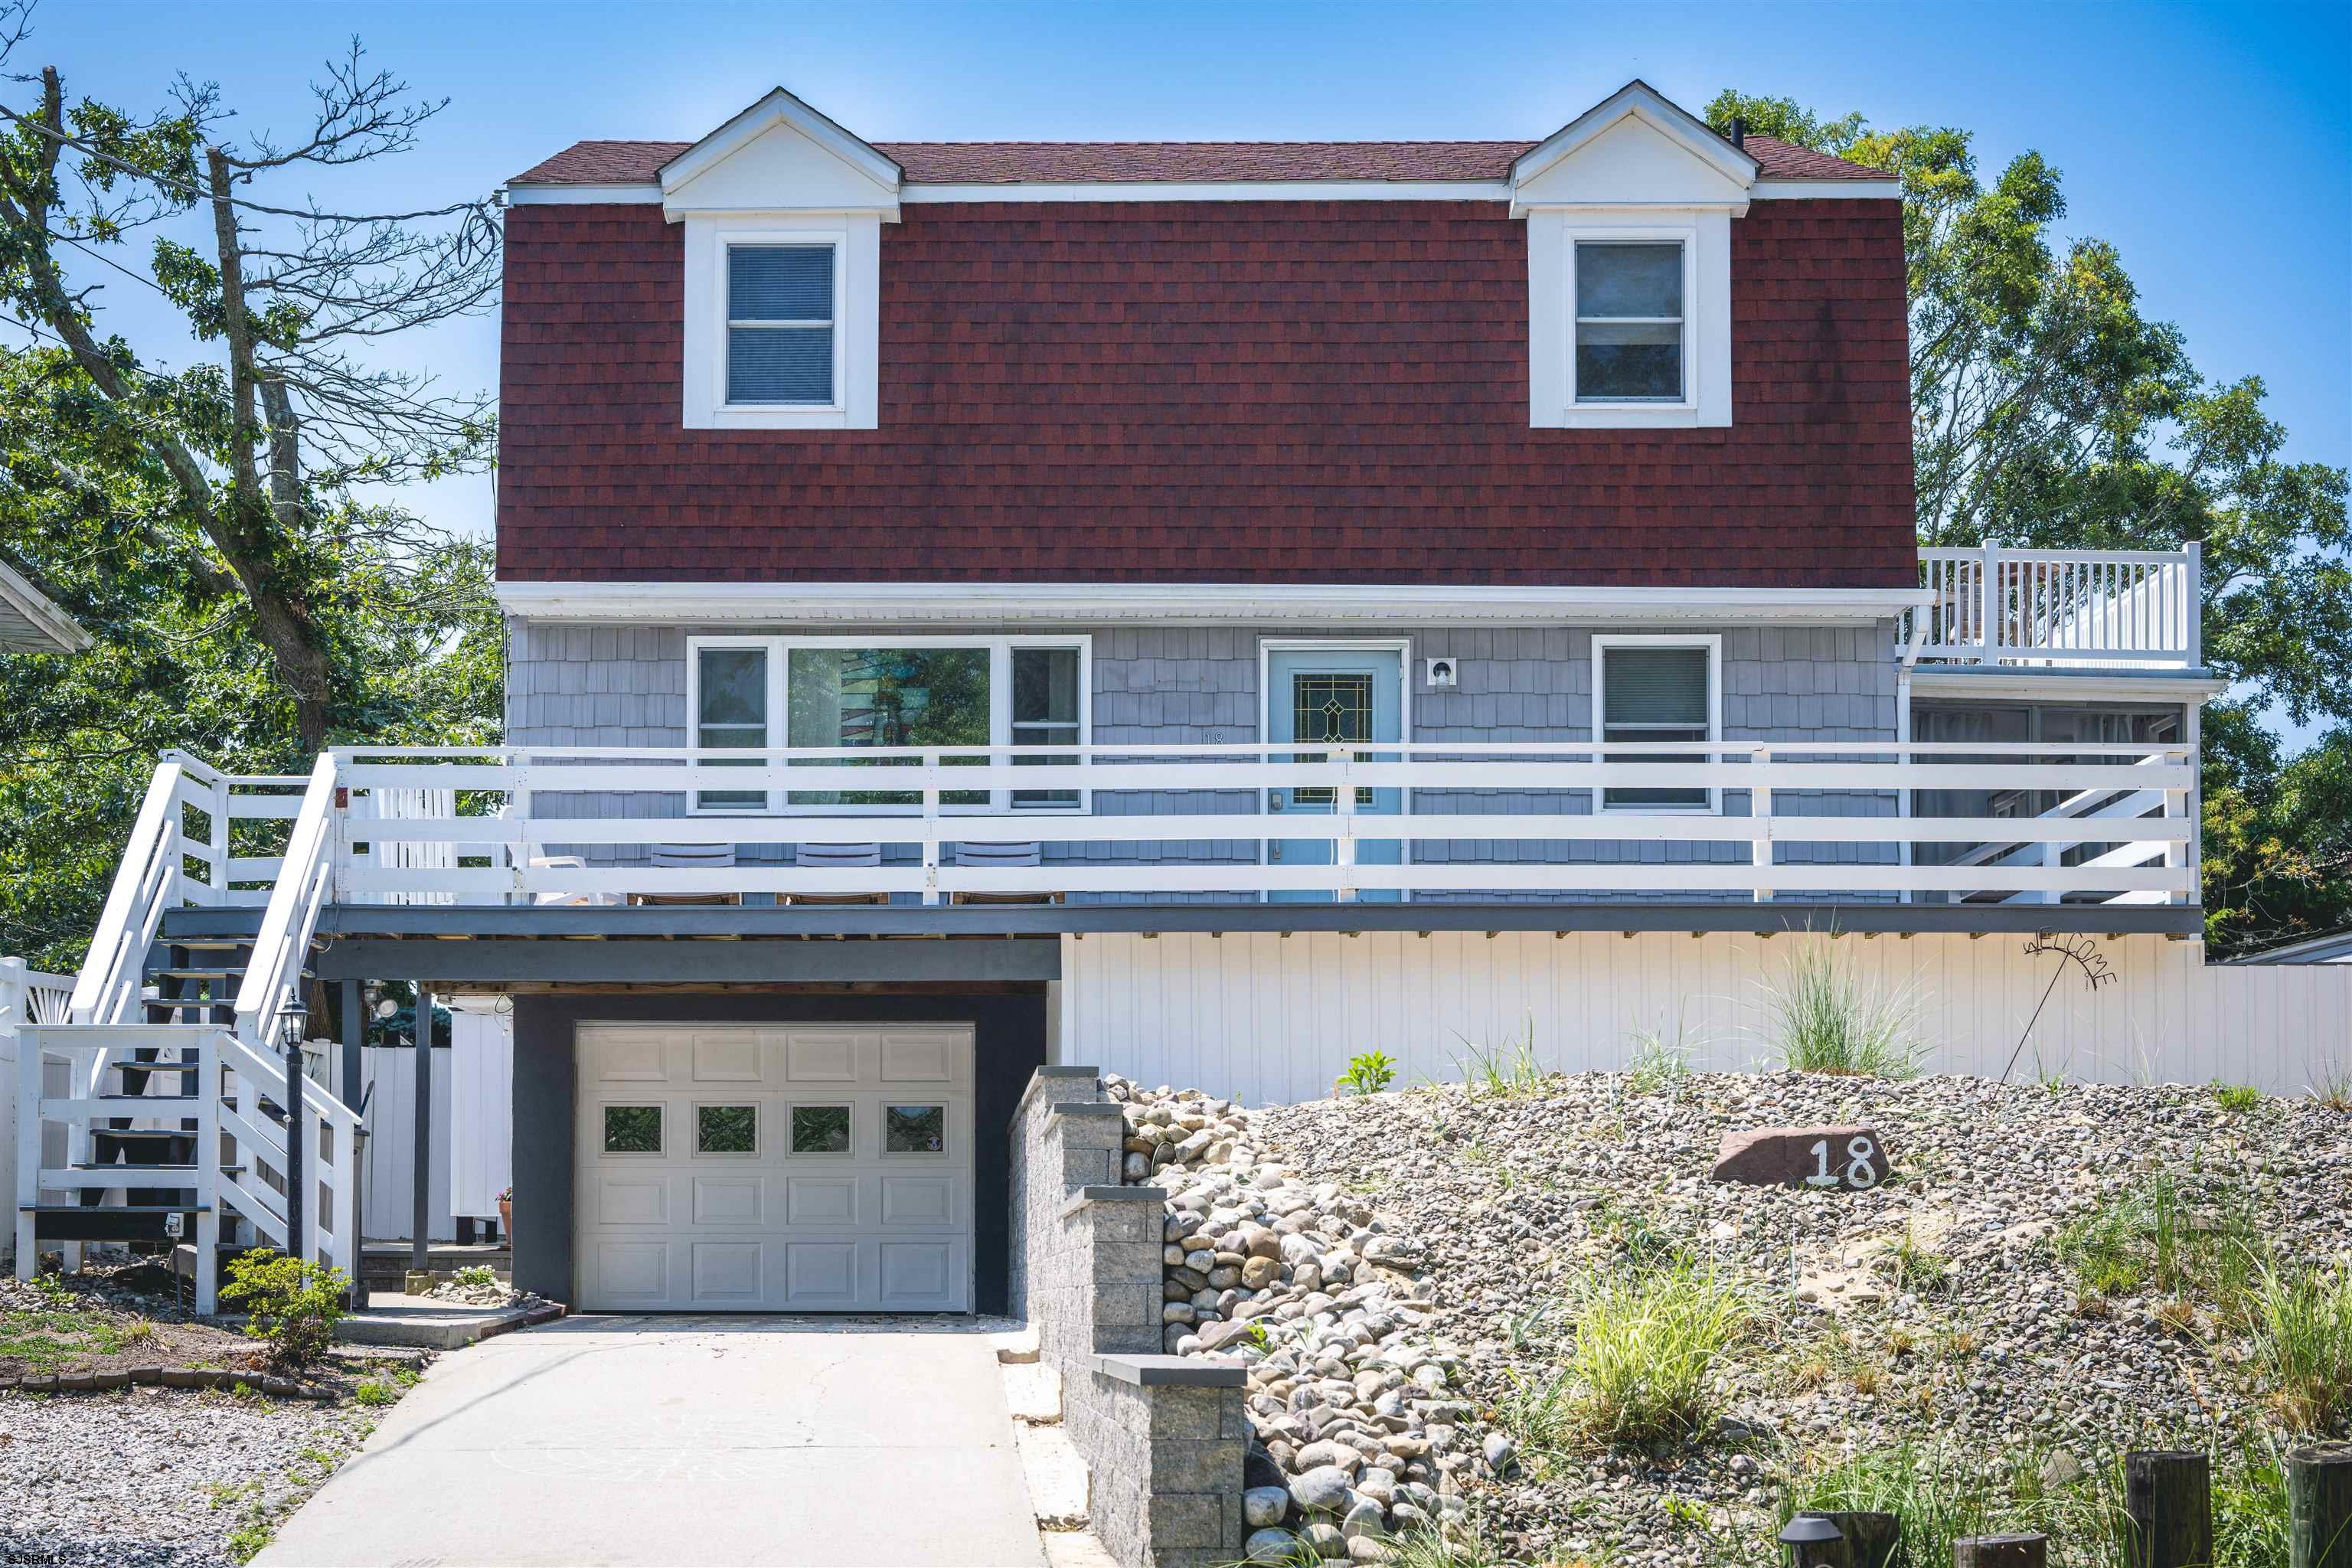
point(2302, 1345)
point(1437, 1549)
point(1504, 1071)
point(1540, 1416)
point(1657, 1067)
point(2156, 1236)
point(1916, 1268)
point(1827, 1019)
point(480, 1274)
point(1937, 1497)
point(2332, 1088)
point(1646, 1348)
point(2237, 1098)
point(53, 1336)
point(387, 1388)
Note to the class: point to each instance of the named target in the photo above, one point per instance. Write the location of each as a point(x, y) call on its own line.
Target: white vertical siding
point(1274, 1018)
point(386, 1193)
point(481, 1130)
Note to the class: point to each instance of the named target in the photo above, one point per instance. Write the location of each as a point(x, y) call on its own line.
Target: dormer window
point(1629, 322)
point(782, 302)
point(782, 322)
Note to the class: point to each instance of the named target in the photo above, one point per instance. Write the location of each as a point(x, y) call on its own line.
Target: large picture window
point(1657, 689)
point(841, 694)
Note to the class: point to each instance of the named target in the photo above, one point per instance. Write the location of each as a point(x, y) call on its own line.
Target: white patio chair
point(691, 857)
point(836, 857)
point(569, 863)
point(1029, 853)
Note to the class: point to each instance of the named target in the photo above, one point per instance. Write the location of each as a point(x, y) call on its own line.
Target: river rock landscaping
point(1521, 1316)
point(151, 1476)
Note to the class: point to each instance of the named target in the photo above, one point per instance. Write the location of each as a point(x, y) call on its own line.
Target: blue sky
point(2208, 142)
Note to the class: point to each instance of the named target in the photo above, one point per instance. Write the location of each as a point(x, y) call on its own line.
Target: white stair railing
point(1993, 604)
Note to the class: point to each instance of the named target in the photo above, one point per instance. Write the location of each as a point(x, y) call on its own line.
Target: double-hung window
point(1657, 689)
point(781, 321)
point(1629, 322)
point(901, 694)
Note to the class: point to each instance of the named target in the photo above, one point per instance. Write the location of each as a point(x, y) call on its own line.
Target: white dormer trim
point(1636, 101)
point(781, 108)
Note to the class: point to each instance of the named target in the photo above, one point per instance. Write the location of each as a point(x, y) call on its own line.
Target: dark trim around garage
point(1008, 1045)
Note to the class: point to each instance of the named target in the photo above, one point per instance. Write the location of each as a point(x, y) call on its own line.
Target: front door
point(1333, 694)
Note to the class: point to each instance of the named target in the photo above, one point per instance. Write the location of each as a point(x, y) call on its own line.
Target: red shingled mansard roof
point(1008, 163)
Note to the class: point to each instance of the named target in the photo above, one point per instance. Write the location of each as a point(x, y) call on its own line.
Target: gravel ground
point(1489, 1208)
point(157, 1477)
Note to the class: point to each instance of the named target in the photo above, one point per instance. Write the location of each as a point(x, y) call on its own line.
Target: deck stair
point(166, 1079)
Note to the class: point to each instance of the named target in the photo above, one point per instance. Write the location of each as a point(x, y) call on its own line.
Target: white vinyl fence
point(473, 1097)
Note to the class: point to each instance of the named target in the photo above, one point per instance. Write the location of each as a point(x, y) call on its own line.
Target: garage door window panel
point(824, 1130)
point(632, 1130)
point(914, 1130)
point(727, 1129)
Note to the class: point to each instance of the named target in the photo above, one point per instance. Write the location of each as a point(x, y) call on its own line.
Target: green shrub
point(2238, 1098)
point(479, 1274)
point(293, 1305)
point(1645, 1354)
point(2302, 1345)
point(1827, 1019)
point(1369, 1072)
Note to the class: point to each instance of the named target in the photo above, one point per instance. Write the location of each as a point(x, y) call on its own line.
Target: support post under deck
point(421, 1215)
point(347, 1089)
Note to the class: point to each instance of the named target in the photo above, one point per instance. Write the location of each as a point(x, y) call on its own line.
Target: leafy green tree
point(2050, 412)
point(254, 449)
point(206, 520)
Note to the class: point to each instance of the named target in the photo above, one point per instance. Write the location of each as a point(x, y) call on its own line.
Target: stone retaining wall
point(1162, 1437)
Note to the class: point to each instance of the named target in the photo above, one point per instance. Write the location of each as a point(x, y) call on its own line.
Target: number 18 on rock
point(1830, 1159)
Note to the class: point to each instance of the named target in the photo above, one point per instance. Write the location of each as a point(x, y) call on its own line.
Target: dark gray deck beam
point(625, 961)
point(662, 927)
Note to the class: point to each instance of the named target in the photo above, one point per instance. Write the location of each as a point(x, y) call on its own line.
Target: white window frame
point(779, 649)
point(1710, 641)
point(1553, 234)
point(857, 239)
point(1687, 242)
point(730, 242)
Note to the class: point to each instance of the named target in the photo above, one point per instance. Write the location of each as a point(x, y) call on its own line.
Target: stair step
point(128, 1169)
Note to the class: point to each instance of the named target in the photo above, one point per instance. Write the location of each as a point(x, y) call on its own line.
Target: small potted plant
point(506, 1215)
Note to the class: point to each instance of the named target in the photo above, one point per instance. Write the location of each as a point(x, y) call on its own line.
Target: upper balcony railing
point(529, 826)
point(2061, 608)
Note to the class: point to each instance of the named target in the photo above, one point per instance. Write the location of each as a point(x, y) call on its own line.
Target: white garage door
point(736, 1168)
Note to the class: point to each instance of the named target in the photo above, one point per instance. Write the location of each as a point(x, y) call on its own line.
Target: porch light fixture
point(293, 1026)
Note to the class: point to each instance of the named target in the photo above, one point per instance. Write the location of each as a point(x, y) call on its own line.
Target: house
point(1202, 608)
point(31, 622)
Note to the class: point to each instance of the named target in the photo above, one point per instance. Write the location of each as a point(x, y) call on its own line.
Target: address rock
point(1850, 1158)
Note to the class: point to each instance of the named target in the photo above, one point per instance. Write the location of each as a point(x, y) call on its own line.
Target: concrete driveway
point(678, 1441)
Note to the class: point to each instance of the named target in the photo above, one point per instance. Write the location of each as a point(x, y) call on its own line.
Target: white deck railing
point(2062, 607)
point(1789, 818)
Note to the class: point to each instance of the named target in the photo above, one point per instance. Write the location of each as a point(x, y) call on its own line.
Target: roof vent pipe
point(1739, 133)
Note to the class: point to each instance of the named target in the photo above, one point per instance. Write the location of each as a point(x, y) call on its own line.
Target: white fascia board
point(781, 108)
point(1654, 108)
point(1826, 190)
point(579, 196)
point(1218, 191)
point(1223, 191)
point(1189, 603)
point(2075, 683)
point(30, 622)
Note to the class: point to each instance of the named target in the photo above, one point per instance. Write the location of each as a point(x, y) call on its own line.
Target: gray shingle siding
point(626, 686)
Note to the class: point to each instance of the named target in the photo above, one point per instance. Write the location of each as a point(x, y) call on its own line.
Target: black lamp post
point(293, 1029)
